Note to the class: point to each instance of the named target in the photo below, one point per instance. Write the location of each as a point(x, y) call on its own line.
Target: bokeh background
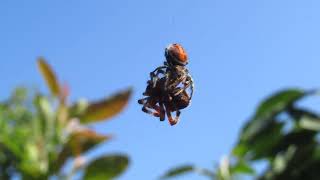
point(239, 52)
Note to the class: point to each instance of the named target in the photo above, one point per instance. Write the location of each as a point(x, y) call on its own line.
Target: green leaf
point(49, 76)
point(106, 108)
point(266, 140)
point(268, 109)
point(79, 142)
point(293, 163)
point(178, 171)
point(19, 95)
point(306, 119)
point(262, 144)
point(310, 123)
point(107, 167)
point(299, 138)
point(242, 168)
point(45, 117)
point(281, 160)
point(240, 150)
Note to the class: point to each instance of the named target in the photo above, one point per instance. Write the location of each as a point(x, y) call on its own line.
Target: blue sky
point(240, 51)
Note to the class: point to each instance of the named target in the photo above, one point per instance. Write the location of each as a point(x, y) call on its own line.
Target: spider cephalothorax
point(175, 54)
point(160, 101)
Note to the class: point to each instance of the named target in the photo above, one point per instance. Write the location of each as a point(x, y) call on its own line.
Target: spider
point(174, 70)
point(160, 101)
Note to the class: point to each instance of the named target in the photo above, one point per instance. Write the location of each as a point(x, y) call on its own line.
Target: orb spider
point(161, 101)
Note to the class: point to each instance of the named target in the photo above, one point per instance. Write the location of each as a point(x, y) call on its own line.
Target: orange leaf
point(84, 140)
point(106, 108)
point(79, 142)
point(49, 76)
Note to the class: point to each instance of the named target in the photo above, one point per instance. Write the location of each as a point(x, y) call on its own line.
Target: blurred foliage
point(280, 135)
point(39, 133)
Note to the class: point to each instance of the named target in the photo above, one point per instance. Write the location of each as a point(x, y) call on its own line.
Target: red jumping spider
point(166, 90)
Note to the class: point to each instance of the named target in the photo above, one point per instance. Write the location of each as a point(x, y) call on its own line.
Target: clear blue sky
point(240, 51)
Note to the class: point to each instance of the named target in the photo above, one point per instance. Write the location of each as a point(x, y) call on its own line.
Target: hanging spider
point(174, 69)
point(167, 90)
point(160, 101)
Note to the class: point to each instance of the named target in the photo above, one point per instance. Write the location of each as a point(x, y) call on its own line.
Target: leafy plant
point(280, 134)
point(39, 133)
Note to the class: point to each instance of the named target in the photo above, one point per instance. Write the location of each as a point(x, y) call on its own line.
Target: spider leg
point(142, 101)
point(153, 110)
point(148, 111)
point(180, 90)
point(192, 87)
point(159, 68)
point(178, 112)
point(177, 90)
point(154, 74)
point(174, 83)
point(180, 78)
point(149, 106)
point(172, 121)
point(162, 112)
point(188, 83)
point(167, 81)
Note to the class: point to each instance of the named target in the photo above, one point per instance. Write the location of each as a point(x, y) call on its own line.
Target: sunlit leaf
point(106, 108)
point(49, 76)
point(269, 108)
point(80, 142)
point(84, 140)
point(305, 118)
point(281, 160)
point(242, 168)
point(181, 170)
point(260, 145)
point(78, 108)
point(62, 115)
point(107, 167)
point(240, 150)
point(45, 115)
point(310, 123)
